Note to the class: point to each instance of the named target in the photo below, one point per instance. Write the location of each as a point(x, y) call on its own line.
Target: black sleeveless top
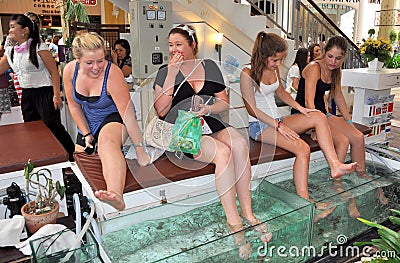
point(320, 90)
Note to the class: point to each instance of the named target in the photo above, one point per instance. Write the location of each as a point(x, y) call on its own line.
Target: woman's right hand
point(114, 56)
point(175, 61)
point(288, 133)
point(143, 158)
point(88, 142)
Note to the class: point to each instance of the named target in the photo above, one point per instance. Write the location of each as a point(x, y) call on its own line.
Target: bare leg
point(354, 136)
point(113, 165)
point(302, 160)
point(240, 154)
point(214, 151)
point(301, 123)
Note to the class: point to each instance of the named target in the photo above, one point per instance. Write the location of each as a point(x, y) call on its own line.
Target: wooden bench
point(168, 169)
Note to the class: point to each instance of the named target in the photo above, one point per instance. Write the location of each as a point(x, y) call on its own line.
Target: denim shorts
point(256, 128)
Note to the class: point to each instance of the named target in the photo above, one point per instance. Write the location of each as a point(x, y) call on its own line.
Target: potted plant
point(73, 11)
point(388, 243)
point(376, 50)
point(392, 36)
point(44, 208)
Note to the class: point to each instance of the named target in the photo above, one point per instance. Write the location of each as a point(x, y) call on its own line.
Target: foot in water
point(340, 169)
point(324, 214)
point(113, 199)
point(352, 208)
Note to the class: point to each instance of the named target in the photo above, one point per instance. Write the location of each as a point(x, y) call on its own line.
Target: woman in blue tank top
point(100, 104)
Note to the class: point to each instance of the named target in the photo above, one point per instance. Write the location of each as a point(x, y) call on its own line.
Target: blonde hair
point(265, 46)
point(89, 41)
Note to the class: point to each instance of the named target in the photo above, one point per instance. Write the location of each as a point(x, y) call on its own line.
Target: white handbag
point(158, 133)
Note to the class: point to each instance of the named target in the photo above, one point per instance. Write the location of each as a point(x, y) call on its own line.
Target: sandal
point(239, 239)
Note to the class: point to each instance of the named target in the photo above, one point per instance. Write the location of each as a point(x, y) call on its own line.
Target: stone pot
point(35, 222)
point(375, 65)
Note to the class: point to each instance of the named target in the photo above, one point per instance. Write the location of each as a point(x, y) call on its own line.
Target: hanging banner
point(44, 7)
point(85, 2)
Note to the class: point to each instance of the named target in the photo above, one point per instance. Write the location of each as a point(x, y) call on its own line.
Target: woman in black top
point(121, 56)
point(232, 165)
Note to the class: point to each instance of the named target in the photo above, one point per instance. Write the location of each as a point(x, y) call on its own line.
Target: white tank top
point(265, 99)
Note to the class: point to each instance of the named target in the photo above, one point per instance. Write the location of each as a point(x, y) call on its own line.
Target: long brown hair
point(336, 74)
point(266, 45)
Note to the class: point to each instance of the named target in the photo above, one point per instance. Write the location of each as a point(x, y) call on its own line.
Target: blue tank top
point(95, 109)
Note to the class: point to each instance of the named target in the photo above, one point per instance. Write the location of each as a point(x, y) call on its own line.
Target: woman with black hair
point(37, 73)
point(121, 56)
point(314, 51)
point(294, 73)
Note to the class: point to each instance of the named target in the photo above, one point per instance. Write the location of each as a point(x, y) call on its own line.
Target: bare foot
point(363, 174)
point(240, 241)
point(340, 169)
point(323, 205)
point(382, 198)
point(352, 209)
point(320, 205)
point(324, 214)
point(113, 199)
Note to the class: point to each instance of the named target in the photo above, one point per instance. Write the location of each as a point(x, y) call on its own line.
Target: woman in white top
point(37, 73)
point(258, 84)
point(294, 73)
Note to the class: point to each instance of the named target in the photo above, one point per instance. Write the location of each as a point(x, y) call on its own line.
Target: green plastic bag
point(186, 133)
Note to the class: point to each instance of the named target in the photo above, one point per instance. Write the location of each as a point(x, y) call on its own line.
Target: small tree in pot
point(44, 209)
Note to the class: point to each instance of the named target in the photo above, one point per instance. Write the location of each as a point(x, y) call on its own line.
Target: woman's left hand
point(57, 101)
point(305, 111)
point(202, 111)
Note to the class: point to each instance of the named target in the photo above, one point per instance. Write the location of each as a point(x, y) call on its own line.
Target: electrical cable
point(79, 238)
point(77, 207)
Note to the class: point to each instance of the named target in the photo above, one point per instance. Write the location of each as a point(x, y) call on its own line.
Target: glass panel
point(194, 230)
point(202, 234)
point(51, 248)
point(369, 196)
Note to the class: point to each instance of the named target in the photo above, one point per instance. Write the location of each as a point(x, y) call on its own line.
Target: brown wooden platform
point(168, 169)
point(29, 140)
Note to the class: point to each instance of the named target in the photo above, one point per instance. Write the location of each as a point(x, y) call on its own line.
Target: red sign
point(85, 2)
point(88, 2)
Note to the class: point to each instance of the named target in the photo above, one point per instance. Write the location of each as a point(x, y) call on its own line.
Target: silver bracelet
point(209, 110)
point(140, 144)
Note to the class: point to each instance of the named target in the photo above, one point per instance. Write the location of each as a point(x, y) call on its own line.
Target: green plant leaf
point(60, 189)
point(394, 220)
point(390, 240)
point(28, 169)
point(394, 211)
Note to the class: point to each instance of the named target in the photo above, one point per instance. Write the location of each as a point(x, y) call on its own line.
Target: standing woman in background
point(121, 56)
point(294, 73)
point(314, 52)
point(37, 73)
